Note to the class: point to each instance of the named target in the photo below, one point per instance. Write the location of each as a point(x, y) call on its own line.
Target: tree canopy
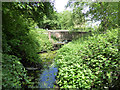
point(105, 12)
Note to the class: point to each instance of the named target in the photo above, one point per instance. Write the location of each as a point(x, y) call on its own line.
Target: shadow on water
point(48, 77)
point(49, 72)
point(43, 78)
point(34, 75)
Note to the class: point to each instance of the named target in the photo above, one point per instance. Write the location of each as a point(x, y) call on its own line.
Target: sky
point(60, 5)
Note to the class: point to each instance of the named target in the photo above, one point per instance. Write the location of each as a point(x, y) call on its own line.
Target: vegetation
point(14, 74)
point(105, 12)
point(21, 41)
point(92, 62)
point(68, 20)
point(41, 36)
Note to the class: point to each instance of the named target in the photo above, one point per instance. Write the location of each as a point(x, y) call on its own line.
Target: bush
point(13, 72)
point(90, 62)
point(43, 41)
point(21, 40)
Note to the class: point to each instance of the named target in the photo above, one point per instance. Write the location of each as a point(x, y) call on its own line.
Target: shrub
point(13, 72)
point(20, 40)
point(90, 62)
point(19, 34)
point(43, 41)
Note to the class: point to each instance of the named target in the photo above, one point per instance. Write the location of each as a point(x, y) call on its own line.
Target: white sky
point(60, 5)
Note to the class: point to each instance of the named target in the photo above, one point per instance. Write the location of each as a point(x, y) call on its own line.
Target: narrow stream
point(47, 78)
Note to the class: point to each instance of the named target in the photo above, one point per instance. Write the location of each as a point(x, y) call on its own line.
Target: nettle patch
point(92, 62)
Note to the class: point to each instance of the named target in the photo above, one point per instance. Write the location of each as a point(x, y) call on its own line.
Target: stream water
point(47, 78)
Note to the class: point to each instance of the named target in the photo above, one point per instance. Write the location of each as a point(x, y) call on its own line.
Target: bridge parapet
point(65, 34)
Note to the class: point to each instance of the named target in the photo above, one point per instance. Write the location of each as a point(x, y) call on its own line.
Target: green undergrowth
point(43, 41)
point(90, 62)
point(21, 42)
point(13, 72)
point(48, 58)
point(22, 51)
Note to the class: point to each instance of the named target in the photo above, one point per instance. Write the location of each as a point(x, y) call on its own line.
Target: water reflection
point(47, 78)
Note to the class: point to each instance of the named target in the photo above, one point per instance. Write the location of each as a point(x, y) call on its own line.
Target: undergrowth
point(90, 62)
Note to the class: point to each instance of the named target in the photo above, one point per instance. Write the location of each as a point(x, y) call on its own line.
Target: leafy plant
point(89, 62)
point(14, 74)
point(43, 42)
point(21, 43)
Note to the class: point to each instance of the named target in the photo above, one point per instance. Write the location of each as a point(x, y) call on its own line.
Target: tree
point(106, 12)
point(19, 43)
point(52, 22)
point(65, 19)
point(78, 17)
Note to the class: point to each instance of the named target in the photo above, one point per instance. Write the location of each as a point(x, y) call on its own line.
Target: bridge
point(61, 35)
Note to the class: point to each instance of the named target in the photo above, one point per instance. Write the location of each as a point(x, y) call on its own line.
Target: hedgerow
point(90, 62)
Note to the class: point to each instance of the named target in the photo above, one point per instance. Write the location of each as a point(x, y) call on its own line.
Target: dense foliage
point(90, 62)
point(69, 20)
point(105, 12)
point(65, 20)
point(13, 73)
point(41, 36)
point(51, 23)
point(20, 40)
